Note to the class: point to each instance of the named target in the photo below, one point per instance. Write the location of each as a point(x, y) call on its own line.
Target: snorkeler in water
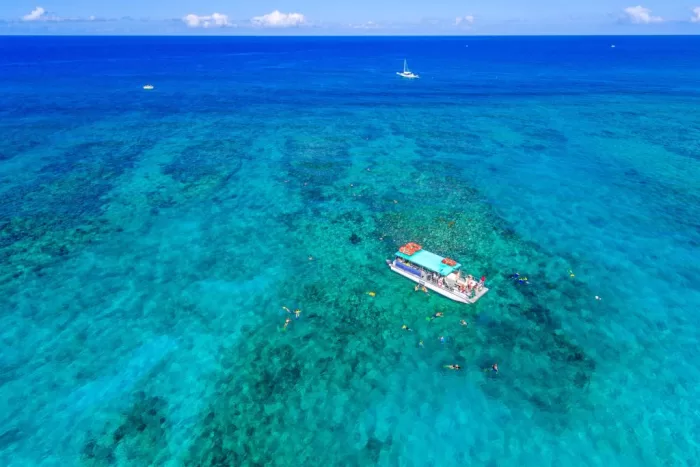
point(494, 367)
point(453, 367)
point(420, 343)
point(297, 312)
point(439, 314)
point(286, 323)
point(464, 323)
point(520, 279)
point(406, 328)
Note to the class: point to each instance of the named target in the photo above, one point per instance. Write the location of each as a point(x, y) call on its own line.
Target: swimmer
point(463, 323)
point(286, 323)
point(453, 367)
point(517, 277)
point(406, 328)
point(297, 313)
point(439, 314)
point(441, 339)
point(311, 258)
point(287, 309)
point(420, 343)
point(494, 367)
point(415, 289)
point(372, 294)
point(424, 289)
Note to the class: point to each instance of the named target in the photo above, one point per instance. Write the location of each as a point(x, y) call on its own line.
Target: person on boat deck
point(482, 281)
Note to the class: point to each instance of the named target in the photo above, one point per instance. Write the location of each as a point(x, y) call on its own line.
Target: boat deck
point(425, 278)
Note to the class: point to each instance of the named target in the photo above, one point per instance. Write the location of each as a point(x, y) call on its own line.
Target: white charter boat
point(406, 73)
point(441, 275)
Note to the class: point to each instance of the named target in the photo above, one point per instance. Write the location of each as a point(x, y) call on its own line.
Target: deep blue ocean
point(149, 241)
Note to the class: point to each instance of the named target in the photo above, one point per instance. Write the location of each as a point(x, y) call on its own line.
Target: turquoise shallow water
point(149, 241)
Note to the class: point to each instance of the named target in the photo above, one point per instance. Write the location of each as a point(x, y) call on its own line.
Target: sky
point(350, 17)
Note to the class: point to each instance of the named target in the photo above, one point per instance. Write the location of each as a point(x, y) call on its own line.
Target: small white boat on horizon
point(406, 73)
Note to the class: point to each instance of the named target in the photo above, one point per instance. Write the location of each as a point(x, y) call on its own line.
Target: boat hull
point(457, 297)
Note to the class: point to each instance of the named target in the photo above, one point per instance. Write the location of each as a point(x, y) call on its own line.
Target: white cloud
point(37, 14)
point(276, 19)
point(40, 14)
point(640, 15)
point(215, 19)
point(696, 15)
point(367, 25)
point(466, 20)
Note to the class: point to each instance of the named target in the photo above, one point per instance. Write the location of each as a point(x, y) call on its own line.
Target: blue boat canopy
point(430, 261)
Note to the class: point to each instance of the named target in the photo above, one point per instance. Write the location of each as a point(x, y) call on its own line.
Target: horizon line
point(349, 35)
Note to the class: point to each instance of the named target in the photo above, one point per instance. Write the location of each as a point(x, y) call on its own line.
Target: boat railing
point(429, 276)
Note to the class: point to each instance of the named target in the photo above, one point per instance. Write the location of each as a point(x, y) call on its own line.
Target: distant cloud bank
point(640, 15)
point(37, 14)
point(39, 19)
point(277, 19)
point(464, 20)
point(696, 15)
point(215, 19)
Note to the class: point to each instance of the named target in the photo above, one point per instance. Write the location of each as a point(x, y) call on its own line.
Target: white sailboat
point(406, 73)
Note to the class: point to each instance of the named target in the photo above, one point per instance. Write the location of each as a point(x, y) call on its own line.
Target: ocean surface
point(149, 241)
